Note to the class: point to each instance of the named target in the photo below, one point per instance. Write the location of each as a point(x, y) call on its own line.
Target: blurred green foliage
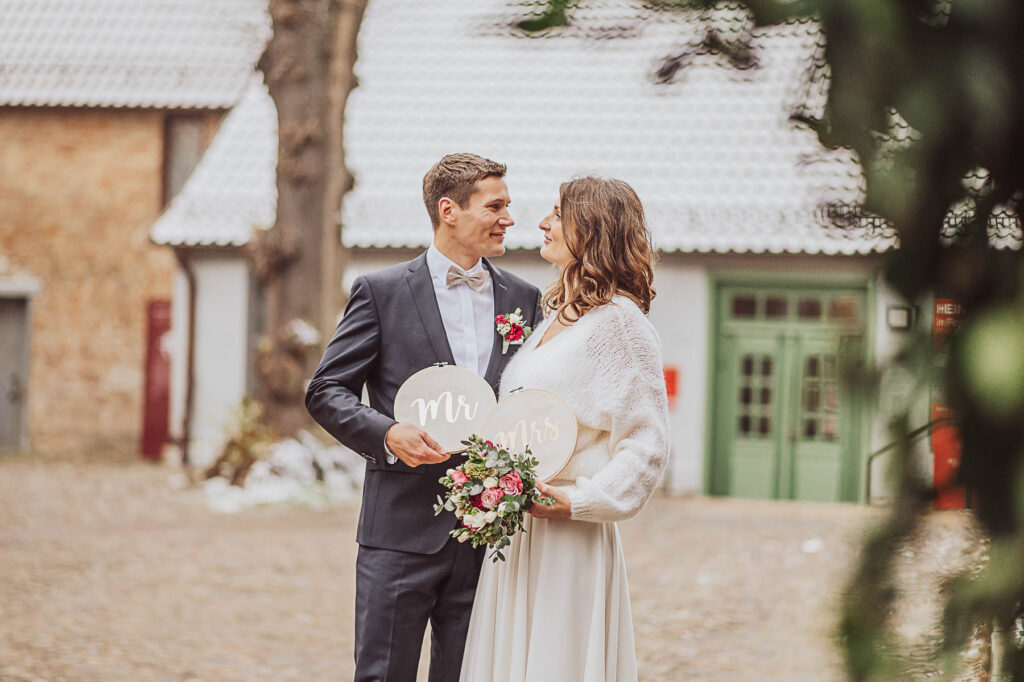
point(930, 96)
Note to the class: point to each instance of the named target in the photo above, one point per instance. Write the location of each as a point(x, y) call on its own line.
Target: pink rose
point(491, 497)
point(511, 483)
point(459, 477)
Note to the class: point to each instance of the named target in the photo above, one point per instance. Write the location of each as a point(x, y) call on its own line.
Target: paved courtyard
point(106, 573)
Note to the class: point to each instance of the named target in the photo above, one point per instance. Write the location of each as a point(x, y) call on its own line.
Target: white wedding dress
point(557, 610)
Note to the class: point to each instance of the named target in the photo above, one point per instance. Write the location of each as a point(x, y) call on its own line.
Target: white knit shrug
point(607, 366)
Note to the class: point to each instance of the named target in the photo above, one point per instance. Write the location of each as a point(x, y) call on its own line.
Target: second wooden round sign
point(537, 419)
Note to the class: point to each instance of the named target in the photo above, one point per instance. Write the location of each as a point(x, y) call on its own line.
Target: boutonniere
point(511, 329)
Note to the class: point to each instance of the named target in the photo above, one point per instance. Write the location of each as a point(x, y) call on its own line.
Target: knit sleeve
point(625, 354)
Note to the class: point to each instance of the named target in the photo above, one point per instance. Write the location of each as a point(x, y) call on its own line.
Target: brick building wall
point(79, 190)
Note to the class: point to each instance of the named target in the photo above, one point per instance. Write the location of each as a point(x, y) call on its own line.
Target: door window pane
point(744, 306)
point(819, 408)
point(754, 399)
point(811, 399)
point(831, 397)
point(776, 307)
point(844, 309)
point(809, 309)
point(830, 431)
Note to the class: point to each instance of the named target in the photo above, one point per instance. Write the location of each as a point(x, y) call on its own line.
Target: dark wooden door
point(13, 371)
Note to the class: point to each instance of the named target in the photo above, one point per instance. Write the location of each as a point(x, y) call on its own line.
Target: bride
point(558, 609)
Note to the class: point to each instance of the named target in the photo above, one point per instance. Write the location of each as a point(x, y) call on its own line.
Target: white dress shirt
point(467, 315)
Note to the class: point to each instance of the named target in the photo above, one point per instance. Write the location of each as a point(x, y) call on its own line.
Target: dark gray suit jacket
point(392, 329)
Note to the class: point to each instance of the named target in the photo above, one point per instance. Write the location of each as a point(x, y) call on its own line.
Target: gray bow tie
point(476, 280)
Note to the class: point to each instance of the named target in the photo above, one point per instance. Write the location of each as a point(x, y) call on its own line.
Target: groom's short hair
point(455, 176)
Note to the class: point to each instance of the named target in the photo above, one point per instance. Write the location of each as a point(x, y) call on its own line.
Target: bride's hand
point(560, 508)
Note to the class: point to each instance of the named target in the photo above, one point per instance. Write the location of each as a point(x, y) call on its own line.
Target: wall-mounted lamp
point(899, 317)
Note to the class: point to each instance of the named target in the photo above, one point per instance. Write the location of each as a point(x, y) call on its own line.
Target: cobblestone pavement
point(108, 574)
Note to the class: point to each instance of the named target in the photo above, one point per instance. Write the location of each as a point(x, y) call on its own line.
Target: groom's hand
point(413, 445)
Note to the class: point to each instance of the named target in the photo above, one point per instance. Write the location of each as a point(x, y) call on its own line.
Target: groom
point(438, 307)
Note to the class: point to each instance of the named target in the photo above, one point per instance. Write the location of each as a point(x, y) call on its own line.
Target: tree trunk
point(308, 68)
point(346, 18)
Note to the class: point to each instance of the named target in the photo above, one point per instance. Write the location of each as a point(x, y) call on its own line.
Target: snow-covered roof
point(713, 156)
point(233, 188)
point(129, 53)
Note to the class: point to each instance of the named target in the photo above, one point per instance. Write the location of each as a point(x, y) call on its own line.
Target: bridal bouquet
point(489, 493)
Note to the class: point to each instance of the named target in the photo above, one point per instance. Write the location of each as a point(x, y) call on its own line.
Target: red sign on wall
point(672, 384)
point(157, 395)
point(945, 319)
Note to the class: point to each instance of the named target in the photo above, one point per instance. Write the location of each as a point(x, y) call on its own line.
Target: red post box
point(945, 438)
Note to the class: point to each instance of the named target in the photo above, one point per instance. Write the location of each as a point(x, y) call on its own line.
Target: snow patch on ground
point(298, 471)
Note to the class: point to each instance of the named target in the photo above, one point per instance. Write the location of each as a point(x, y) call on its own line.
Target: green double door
point(784, 426)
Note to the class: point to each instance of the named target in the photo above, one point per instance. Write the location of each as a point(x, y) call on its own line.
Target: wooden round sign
point(449, 403)
point(539, 419)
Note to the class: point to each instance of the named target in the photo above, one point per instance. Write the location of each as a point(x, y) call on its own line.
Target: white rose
point(490, 482)
point(450, 472)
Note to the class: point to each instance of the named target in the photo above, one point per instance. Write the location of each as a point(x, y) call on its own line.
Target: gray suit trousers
point(397, 593)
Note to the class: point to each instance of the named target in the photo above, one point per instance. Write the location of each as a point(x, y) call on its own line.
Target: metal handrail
point(911, 437)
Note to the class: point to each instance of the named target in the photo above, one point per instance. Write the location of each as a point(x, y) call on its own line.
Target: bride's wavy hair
point(605, 231)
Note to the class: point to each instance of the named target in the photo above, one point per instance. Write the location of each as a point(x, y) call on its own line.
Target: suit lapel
point(502, 306)
point(422, 290)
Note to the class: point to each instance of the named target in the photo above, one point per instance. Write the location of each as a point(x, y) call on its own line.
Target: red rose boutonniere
point(511, 329)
